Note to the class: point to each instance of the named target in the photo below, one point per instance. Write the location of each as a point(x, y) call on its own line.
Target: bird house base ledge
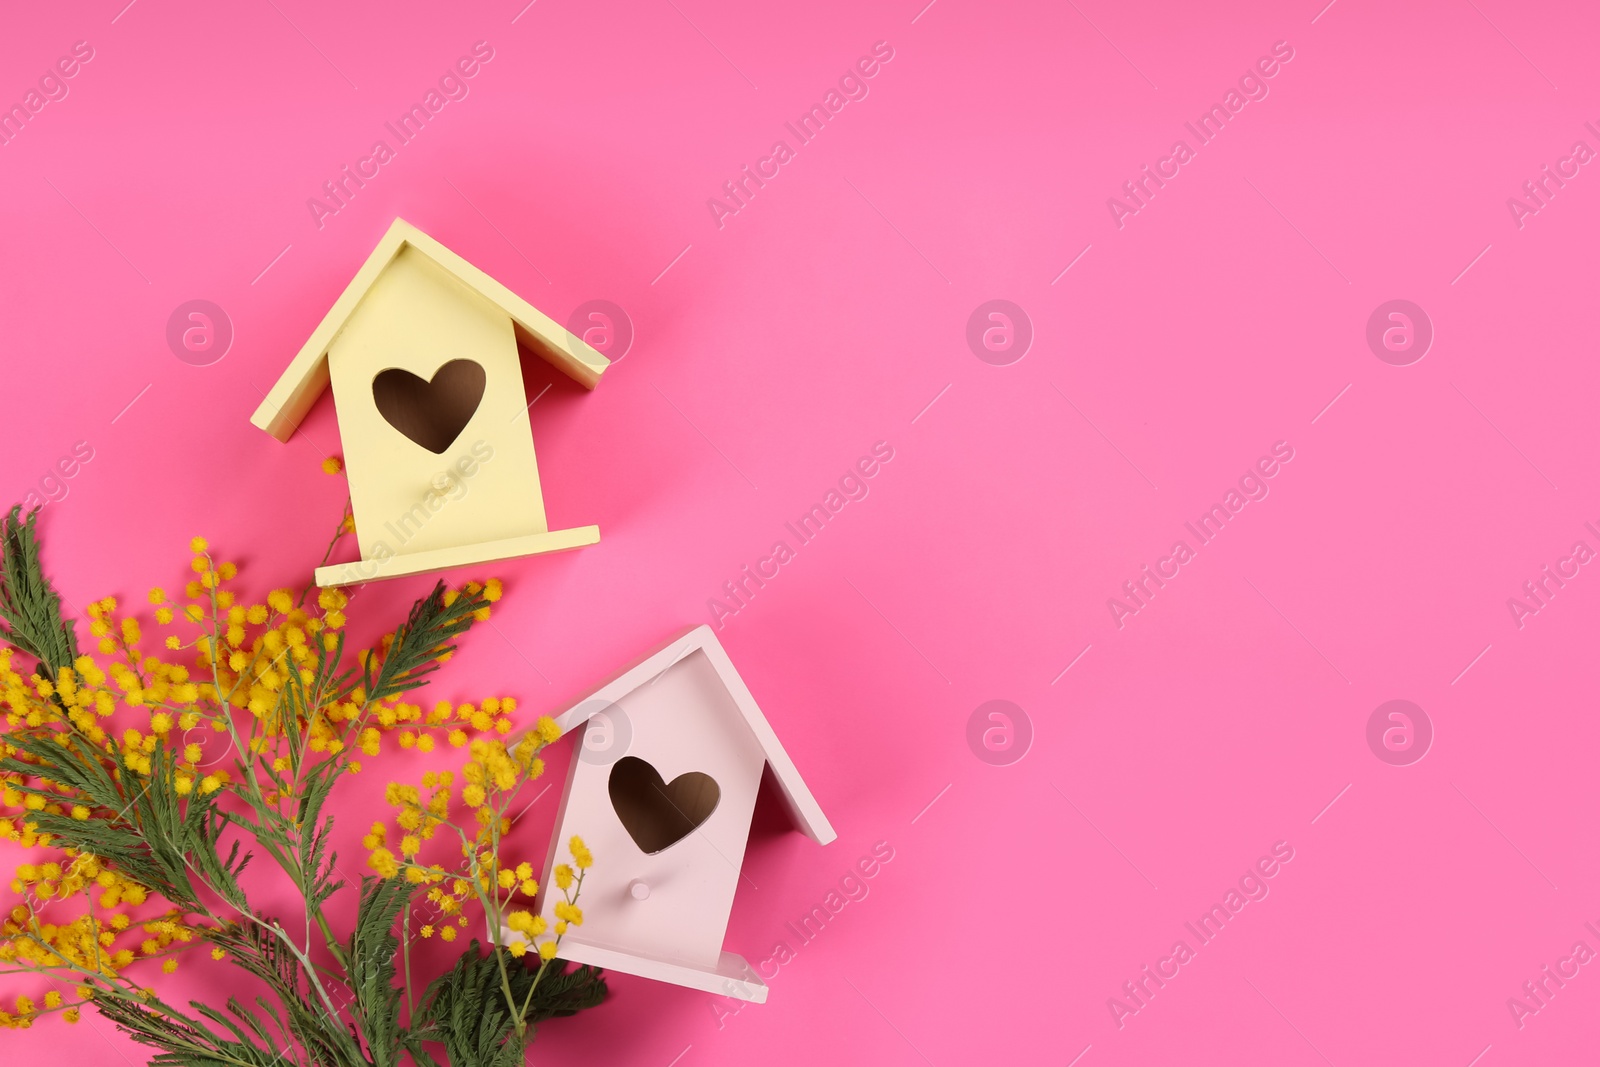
point(731, 977)
point(405, 563)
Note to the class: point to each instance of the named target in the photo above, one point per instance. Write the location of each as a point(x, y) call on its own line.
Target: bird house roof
point(307, 375)
point(803, 807)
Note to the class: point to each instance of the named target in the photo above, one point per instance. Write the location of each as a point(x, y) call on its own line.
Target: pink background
point(824, 317)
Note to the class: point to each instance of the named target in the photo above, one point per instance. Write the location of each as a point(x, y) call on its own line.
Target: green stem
point(577, 890)
point(405, 957)
point(505, 986)
point(338, 535)
point(522, 1015)
point(108, 986)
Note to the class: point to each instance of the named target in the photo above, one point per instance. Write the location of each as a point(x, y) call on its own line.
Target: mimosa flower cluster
point(491, 783)
point(121, 768)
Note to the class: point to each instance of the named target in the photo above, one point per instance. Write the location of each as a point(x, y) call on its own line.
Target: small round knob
point(638, 889)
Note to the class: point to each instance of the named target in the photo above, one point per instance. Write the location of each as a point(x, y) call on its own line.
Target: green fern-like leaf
point(235, 1038)
point(30, 608)
point(465, 1010)
point(426, 635)
point(139, 824)
point(371, 959)
point(299, 1016)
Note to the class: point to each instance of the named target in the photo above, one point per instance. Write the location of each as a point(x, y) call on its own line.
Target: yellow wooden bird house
point(422, 351)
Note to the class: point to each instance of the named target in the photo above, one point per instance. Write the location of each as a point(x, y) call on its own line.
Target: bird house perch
point(421, 350)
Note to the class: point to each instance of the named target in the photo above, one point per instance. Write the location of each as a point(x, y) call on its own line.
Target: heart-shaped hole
point(659, 814)
point(431, 413)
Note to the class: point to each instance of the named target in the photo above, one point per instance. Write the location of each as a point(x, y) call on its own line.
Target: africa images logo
point(852, 86)
point(851, 486)
point(1139, 591)
point(1252, 87)
point(452, 85)
point(52, 87)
